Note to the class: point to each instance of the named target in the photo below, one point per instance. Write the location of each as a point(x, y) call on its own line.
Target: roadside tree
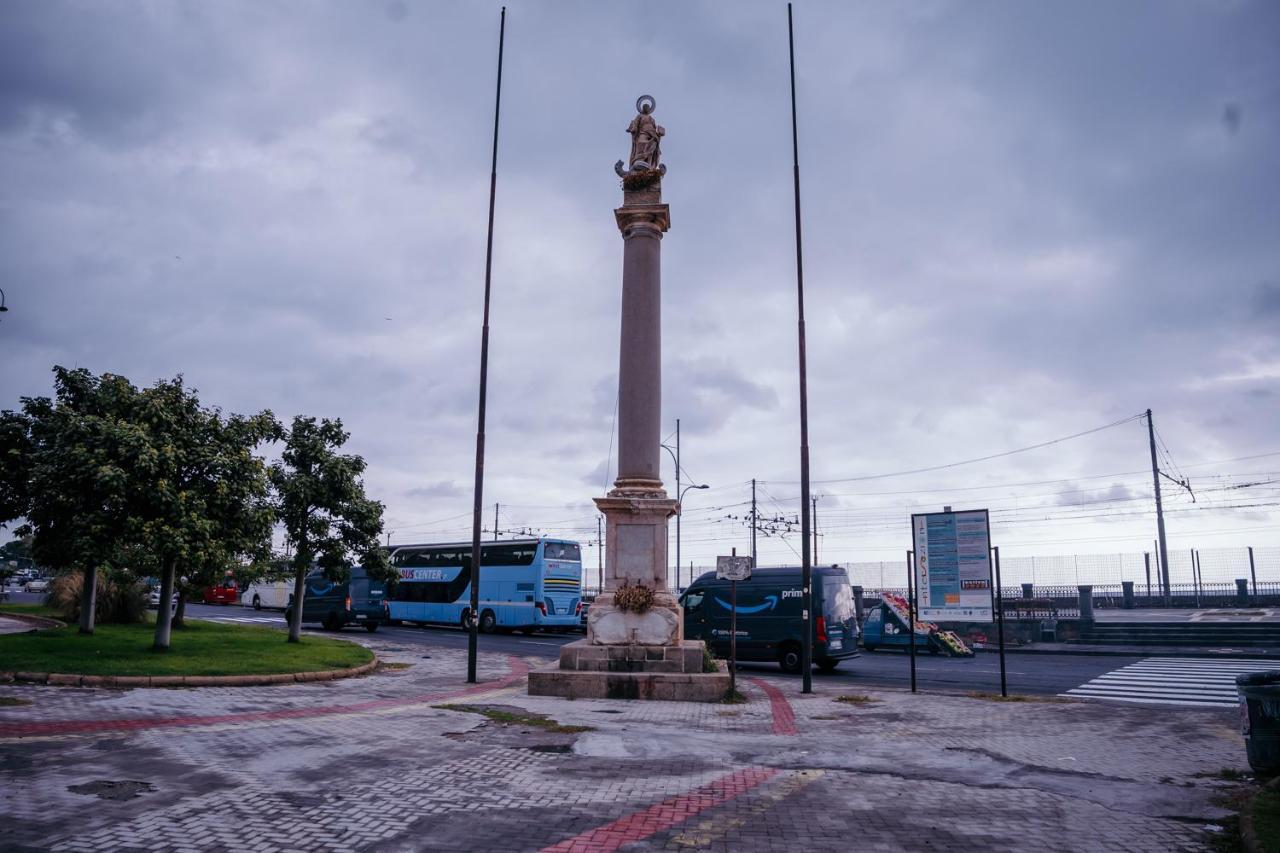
point(321, 504)
point(202, 496)
point(67, 469)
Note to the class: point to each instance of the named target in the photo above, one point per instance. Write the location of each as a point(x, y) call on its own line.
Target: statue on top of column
point(646, 141)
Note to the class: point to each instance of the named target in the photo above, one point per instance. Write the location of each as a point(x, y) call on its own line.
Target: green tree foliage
point(322, 505)
point(15, 466)
point(68, 468)
point(201, 496)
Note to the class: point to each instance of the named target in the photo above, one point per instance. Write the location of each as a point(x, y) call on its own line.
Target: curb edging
point(60, 679)
point(39, 622)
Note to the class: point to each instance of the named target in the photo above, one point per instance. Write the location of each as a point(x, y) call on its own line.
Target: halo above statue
point(642, 100)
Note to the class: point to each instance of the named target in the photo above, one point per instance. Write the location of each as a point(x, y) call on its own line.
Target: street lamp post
point(680, 503)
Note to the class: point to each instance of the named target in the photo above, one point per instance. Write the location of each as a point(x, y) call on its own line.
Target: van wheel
point(488, 622)
point(868, 648)
point(257, 603)
point(371, 626)
point(791, 658)
point(828, 665)
point(288, 615)
point(332, 622)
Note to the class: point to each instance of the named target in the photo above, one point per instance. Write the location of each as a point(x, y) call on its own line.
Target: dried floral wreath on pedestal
point(641, 179)
point(633, 599)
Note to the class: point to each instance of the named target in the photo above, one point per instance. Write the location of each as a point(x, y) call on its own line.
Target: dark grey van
point(770, 621)
point(359, 600)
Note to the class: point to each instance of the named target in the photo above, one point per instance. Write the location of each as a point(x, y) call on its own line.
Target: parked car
point(153, 599)
point(36, 585)
point(225, 592)
point(359, 600)
point(770, 626)
point(273, 594)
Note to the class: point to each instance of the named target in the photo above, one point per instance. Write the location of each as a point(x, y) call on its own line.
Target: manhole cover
point(106, 790)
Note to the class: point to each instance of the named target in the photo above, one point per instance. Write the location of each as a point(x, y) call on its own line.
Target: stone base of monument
point(672, 673)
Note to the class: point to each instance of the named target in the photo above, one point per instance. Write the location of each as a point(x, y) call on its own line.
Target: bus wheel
point(257, 603)
point(791, 658)
point(466, 619)
point(488, 622)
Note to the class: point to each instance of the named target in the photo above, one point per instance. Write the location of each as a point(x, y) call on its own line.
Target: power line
point(975, 460)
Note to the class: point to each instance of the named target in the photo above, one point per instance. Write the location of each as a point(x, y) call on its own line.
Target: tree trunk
point(88, 599)
point(179, 620)
point(163, 613)
point(295, 615)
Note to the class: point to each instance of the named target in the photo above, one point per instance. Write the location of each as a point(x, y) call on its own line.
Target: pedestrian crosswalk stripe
point(1197, 682)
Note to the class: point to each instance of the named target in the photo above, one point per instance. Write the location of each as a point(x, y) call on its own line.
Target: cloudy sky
point(1022, 222)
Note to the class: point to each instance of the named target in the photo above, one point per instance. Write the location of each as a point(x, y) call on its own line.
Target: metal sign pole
point(1252, 574)
point(911, 614)
point(1004, 689)
point(733, 635)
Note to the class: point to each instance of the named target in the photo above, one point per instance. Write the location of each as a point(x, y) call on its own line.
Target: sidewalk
point(376, 763)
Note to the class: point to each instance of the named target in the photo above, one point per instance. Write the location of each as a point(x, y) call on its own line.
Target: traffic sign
point(733, 568)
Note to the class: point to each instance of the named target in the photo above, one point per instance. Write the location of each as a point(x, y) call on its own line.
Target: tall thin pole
point(1004, 689)
point(681, 512)
point(754, 561)
point(805, 555)
point(911, 614)
point(473, 625)
point(495, 522)
point(1155, 476)
point(815, 531)
point(1253, 575)
point(599, 555)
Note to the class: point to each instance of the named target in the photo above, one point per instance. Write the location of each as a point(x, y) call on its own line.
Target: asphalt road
point(1025, 673)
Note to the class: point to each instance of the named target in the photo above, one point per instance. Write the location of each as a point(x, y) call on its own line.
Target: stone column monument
point(635, 646)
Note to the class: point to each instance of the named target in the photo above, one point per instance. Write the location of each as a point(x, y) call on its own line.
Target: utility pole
point(495, 522)
point(815, 531)
point(1155, 477)
point(753, 525)
point(681, 512)
point(806, 564)
point(473, 637)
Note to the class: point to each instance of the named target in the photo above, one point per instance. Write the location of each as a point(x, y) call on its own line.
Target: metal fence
point(1197, 578)
point(1188, 569)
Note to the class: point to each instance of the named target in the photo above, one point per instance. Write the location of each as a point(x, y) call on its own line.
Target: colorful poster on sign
point(952, 565)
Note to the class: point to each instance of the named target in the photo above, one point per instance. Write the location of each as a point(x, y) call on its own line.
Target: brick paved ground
point(373, 764)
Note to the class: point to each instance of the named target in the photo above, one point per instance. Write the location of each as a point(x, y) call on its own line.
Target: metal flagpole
point(911, 614)
point(806, 564)
point(473, 625)
point(1004, 690)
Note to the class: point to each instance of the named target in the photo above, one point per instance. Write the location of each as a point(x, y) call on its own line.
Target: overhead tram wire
point(1001, 455)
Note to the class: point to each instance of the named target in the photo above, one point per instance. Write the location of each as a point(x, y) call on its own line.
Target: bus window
point(561, 551)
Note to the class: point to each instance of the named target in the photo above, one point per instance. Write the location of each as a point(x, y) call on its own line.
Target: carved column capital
point(647, 220)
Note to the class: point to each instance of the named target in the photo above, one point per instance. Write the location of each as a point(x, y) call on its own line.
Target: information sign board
point(953, 565)
point(733, 568)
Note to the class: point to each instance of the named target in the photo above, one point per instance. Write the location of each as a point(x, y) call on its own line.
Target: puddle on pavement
point(106, 790)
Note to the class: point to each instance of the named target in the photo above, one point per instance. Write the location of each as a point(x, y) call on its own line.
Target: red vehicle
point(224, 593)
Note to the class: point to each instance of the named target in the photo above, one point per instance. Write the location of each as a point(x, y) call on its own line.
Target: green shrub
point(120, 600)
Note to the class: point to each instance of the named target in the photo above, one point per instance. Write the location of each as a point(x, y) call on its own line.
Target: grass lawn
point(201, 648)
point(1265, 810)
point(30, 610)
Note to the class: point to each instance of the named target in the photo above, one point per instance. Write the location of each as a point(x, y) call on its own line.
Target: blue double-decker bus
point(525, 584)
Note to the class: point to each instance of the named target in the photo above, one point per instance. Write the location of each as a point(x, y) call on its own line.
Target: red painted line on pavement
point(518, 670)
point(784, 718)
point(664, 815)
